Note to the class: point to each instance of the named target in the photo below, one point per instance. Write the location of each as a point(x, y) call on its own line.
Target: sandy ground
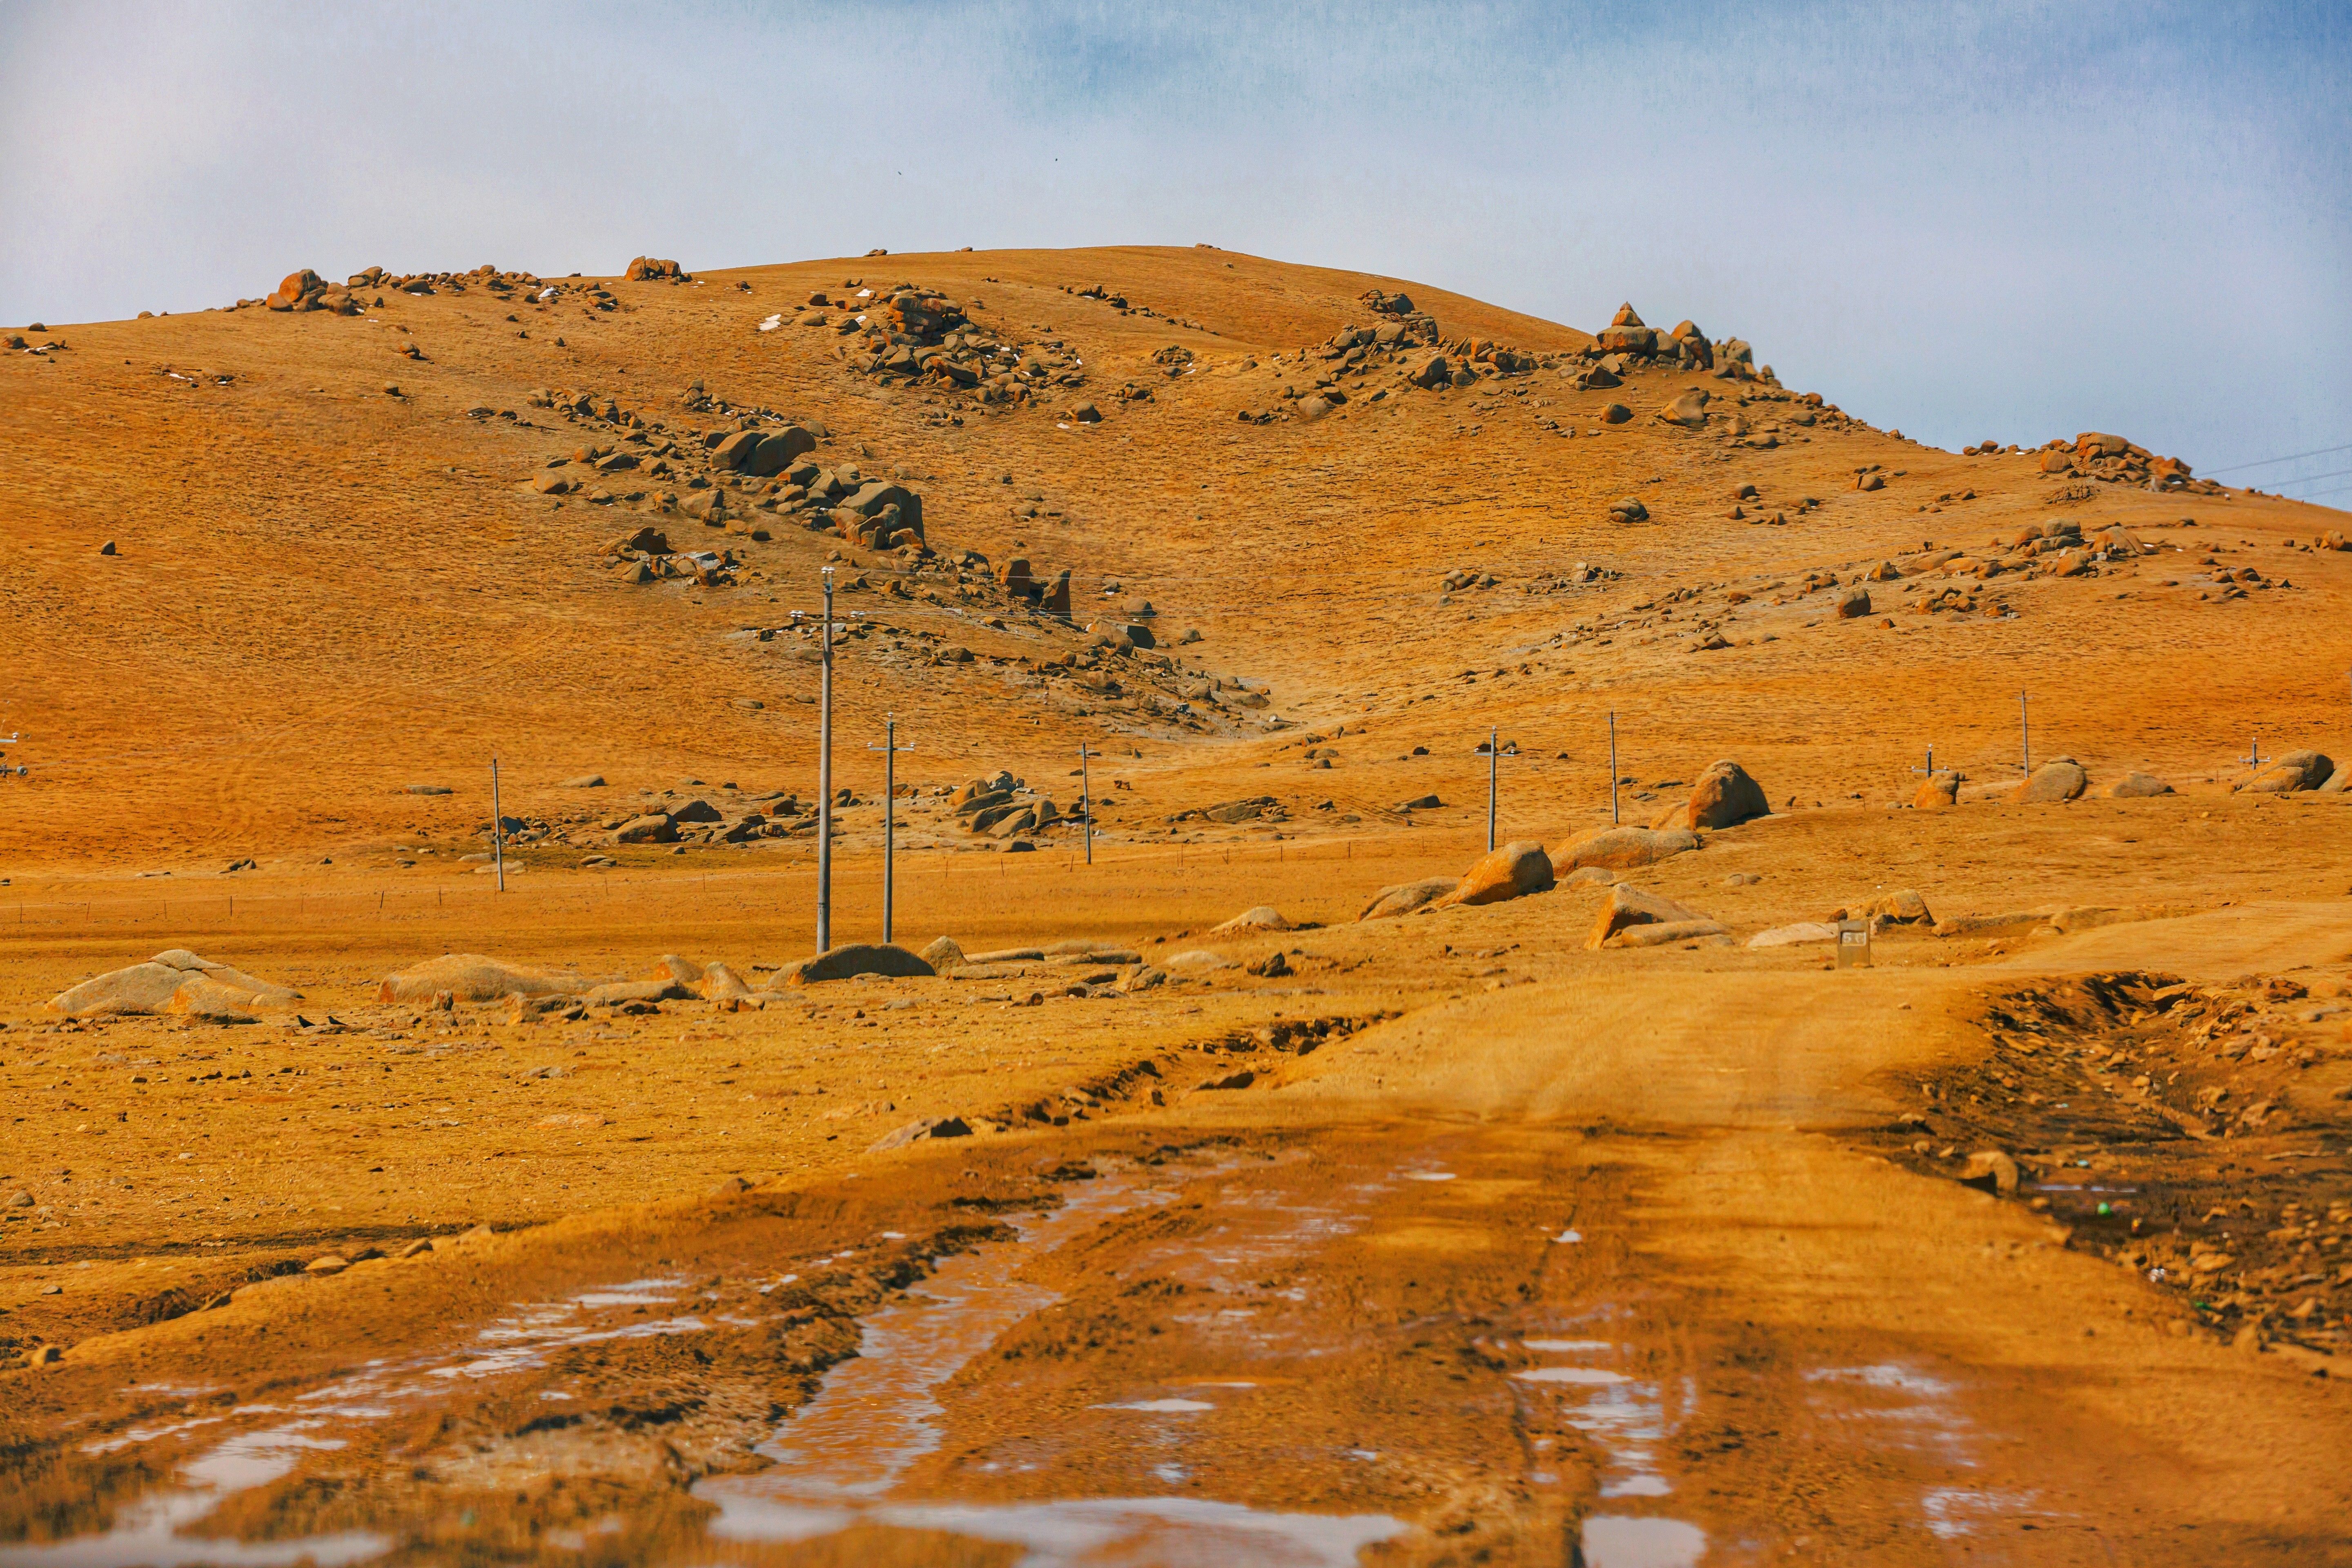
point(1459, 1242)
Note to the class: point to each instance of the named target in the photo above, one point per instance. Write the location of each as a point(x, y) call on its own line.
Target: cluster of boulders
point(1723, 796)
point(698, 821)
point(918, 338)
point(532, 995)
point(1626, 344)
point(306, 290)
point(1118, 302)
point(2115, 459)
point(1420, 324)
point(648, 556)
point(1004, 807)
point(176, 983)
point(653, 270)
point(2055, 547)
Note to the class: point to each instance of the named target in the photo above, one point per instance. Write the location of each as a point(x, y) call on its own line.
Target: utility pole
point(1930, 769)
point(2026, 734)
point(1494, 782)
point(824, 773)
point(1086, 798)
point(1613, 817)
point(2253, 757)
point(889, 748)
point(498, 828)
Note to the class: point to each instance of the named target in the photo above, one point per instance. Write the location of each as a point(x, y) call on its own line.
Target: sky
point(2002, 221)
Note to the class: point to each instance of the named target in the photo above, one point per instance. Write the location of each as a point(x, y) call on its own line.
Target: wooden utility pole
point(889, 748)
point(1086, 798)
point(824, 773)
point(1613, 817)
point(498, 828)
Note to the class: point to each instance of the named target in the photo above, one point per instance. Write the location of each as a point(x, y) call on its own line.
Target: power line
point(2266, 462)
point(2330, 474)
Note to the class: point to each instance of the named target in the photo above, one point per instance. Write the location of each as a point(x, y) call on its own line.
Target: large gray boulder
point(1406, 897)
point(2058, 780)
point(174, 981)
point(2286, 775)
point(858, 958)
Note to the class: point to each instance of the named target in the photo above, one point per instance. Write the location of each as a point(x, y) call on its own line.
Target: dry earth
point(1447, 1239)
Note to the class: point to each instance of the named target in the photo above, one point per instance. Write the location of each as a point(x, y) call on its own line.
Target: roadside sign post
point(1853, 945)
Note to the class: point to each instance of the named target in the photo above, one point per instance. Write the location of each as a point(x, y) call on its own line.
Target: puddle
point(1612, 1540)
point(839, 1457)
point(1914, 1413)
point(1092, 1532)
point(147, 1533)
point(875, 1416)
point(1592, 1374)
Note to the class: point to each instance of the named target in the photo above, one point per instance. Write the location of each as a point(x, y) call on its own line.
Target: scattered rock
point(1852, 602)
point(1406, 897)
point(943, 954)
point(1622, 848)
point(586, 780)
point(1272, 966)
point(1264, 917)
point(1513, 871)
point(1197, 959)
point(858, 958)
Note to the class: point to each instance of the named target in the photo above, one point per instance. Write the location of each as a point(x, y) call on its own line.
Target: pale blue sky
point(1999, 220)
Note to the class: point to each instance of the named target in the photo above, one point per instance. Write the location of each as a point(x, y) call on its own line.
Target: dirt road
point(1608, 1265)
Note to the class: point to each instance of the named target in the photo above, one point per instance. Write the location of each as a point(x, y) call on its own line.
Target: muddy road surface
point(1623, 1273)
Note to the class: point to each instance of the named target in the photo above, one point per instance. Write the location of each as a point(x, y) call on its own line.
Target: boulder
point(1406, 897)
point(1513, 871)
point(654, 270)
point(2059, 779)
point(858, 958)
point(586, 780)
point(1195, 960)
point(1852, 603)
point(670, 966)
point(775, 450)
point(470, 977)
point(721, 983)
point(614, 993)
point(1903, 907)
point(871, 497)
point(175, 982)
point(732, 452)
point(943, 954)
point(929, 1127)
point(1264, 917)
point(1724, 796)
point(1790, 935)
point(1936, 791)
point(1629, 907)
point(2295, 770)
point(1615, 414)
point(2338, 782)
point(1621, 849)
point(1990, 1170)
point(654, 827)
point(2137, 786)
point(1689, 410)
